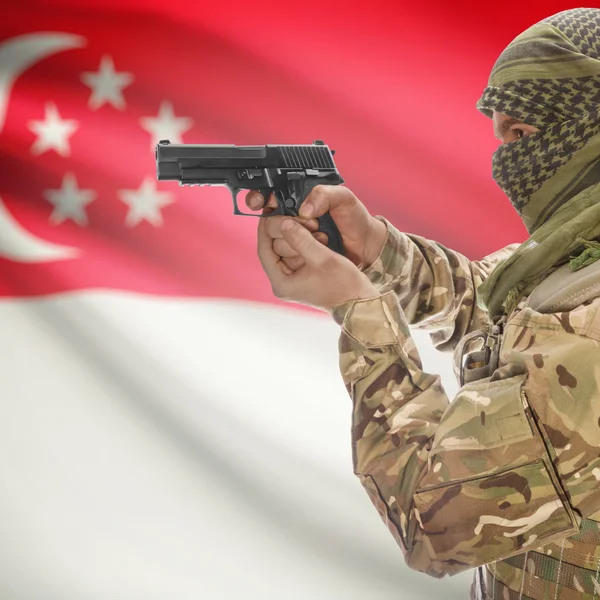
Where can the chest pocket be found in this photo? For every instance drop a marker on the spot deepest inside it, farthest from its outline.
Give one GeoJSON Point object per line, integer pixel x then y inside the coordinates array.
{"type": "Point", "coordinates": [486, 415]}
{"type": "Point", "coordinates": [489, 490]}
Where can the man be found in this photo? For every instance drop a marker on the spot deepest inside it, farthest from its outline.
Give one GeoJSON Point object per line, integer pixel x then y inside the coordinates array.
{"type": "Point", "coordinates": [507, 474]}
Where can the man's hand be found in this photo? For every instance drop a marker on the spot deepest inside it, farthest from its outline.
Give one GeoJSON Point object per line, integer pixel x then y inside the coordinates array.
{"type": "Point", "coordinates": [363, 235]}
{"type": "Point", "coordinates": [325, 278]}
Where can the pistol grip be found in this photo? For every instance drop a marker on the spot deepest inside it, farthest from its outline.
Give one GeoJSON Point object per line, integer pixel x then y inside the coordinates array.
{"type": "Point", "coordinates": [291, 205]}
{"type": "Point", "coordinates": [327, 225]}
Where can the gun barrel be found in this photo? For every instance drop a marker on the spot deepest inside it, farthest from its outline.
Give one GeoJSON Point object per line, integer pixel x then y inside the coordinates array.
{"type": "Point", "coordinates": [171, 159]}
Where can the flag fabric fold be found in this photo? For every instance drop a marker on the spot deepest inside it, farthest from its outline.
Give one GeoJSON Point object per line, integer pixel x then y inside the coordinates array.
{"type": "Point", "coordinates": [171, 430]}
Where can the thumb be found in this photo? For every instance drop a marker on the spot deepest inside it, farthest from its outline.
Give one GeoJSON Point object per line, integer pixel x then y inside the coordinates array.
{"type": "Point", "coordinates": [302, 241]}
{"type": "Point", "coordinates": [327, 198]}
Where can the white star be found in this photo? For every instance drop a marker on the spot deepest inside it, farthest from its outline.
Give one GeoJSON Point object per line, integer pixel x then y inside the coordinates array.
{"type": "Point", "coordinates": [69, 202]}
{"type": "Point", "coordinates": [166, 126]}
{"type": "Point", "coordinates": [107, 85]}
{"type": "Point", "coordinates": [145, 203]}
{"type": "Point", "coordinates": [53, 132]}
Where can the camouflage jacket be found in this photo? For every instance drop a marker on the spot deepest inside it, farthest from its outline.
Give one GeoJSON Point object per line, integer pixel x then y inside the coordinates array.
{"type": "Point", "coordinates": [512, 463]}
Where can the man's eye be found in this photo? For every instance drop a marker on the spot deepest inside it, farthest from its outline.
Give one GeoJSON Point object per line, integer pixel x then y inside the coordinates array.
{"type": "Point", "coordinates": [519, 133]}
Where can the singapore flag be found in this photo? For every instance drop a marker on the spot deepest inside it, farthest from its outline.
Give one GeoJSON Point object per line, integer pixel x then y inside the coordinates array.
{"type": "Point", "coordinates": [169, 429]}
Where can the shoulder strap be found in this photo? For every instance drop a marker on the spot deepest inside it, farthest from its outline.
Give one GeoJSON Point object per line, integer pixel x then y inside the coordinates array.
{"type": "Point", "coordinates": [561, 291]}
{"type": "Point", "coordinates": [565, 289]}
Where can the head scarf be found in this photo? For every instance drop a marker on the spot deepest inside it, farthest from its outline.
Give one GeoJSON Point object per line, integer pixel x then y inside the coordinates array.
{"type": "Point", "coordinates": [548, 77]}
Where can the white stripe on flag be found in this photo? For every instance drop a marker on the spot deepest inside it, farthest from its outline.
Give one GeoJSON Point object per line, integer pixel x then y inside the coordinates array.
{"type": "Point", "coordinates": [185, 449]}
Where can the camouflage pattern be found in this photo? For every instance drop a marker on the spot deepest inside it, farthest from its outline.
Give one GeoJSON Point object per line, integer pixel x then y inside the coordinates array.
{"type": "Point", "coordinates": [535, 574]}
{"type": "Point", "coordinates": [434, 285]}
{"type": "Point", "coordinates": [512, 464]}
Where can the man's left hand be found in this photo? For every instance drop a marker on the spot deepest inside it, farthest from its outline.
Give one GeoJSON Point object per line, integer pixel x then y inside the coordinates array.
{"type": "Point", "coordinates": [325, 280]}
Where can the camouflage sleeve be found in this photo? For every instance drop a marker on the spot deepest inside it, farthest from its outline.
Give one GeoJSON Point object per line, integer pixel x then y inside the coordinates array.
{"type": "Point", "coordinates": [436, 286]}
{"type": "Point", "coordinates": [464, 483]}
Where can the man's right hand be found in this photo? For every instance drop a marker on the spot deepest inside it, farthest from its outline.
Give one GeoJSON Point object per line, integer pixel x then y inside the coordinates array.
{"type": "Point", "coordinates": [363, 235]}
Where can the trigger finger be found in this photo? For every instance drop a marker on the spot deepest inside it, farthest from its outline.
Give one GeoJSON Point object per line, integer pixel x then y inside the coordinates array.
{"type": "Point", "coordinates": [272, 202]}
{"type": "Point", "coordinates": [254, 200]}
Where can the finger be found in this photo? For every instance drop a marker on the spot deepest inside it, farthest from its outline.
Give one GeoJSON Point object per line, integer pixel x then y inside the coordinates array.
{"type": "Point", "coordinates": [272, 264]}
{"type": "Point", "coordinates": [283, 249]}
{"type": "Point", "coordinates": [325, 198]}
{"type": "Point", "coordinates": [254, 200]}
{"type": "Point", "coordinates": [273, 226]}
{"type": "Point", "coordinates": [321, 237]}
{"type": "Point", "coordinates": [272, 202]}
{"type": "Point", "coordinates": [301, 240]}
{"type": "Point", "coordinates": [287, 269]}
{"type": "Point", "coordinates": [270, 206]}
{"type": "Point", "coordinates": [310, 224]}
{"type": "Point", "coordinates": [294, 263]}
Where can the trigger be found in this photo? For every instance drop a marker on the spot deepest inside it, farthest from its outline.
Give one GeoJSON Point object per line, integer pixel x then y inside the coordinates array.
{"type": "Point", "coordinates": [279, 208]}
{"type": "Point", "coordinates": [266, 193]}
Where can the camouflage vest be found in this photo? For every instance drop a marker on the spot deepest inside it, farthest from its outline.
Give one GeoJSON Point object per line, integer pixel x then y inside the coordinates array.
{"type": "Point", "coordinates": [568, 570]}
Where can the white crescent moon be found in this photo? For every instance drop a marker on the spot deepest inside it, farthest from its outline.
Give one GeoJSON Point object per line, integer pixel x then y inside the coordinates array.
{"type": "Point", "coordinates": [16, 55]}
{"type": "Point", "coordinates": [20, 245]}
{"type": "Point", "coordinates": [19, 53]}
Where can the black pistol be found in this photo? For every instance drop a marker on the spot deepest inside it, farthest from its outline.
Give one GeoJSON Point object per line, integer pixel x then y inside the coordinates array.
{"type": "Point", "coordinates": [289, 172]}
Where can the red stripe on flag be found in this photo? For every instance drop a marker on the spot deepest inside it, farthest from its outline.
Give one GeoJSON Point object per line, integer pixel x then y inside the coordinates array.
{"type": "Point", "coordinates": [392, 88]}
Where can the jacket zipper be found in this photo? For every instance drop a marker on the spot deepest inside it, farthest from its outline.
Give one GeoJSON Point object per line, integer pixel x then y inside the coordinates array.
{"type": "Point", "coordinates": [533, 423]}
